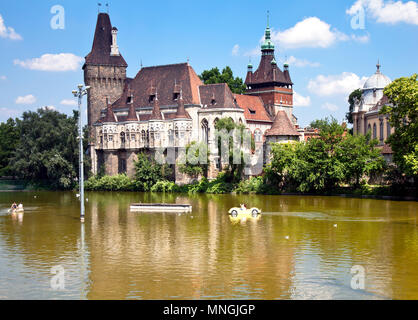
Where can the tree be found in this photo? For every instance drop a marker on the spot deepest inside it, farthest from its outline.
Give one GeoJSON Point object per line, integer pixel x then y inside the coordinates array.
{"type": "Point", "coordinates": [226, 128]}
{"type": "Point", "coordinates": [360, 157]}
{"type": "Point", "coordinates": [148, 172]}
{"type": "Point", "coordinates": [320, 165]}
{"type": "Point", "coordinates": [195, 169]}
{"type": "Point", "coordinates": [9, 138]}
{"type": "Point", "coordinates": [48, 148]}
{"type": "Point", "coordinates": [355, 95]}
{"type": "Point", "coordinates": [403, 116]}
{"type": "Point", "coordinates": [214, 76]}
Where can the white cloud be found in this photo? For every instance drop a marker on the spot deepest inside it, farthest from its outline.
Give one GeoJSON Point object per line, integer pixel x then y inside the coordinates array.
{"type": "Point", "coordinates": [49, 108]}
{"type": "Point", "coordinates": [300, 63]}
{"type": "Point", "coordinates": [68, 102]}
{"type": "Point", "coordinates": [329, 106]}
{"type": "Point", "coordinates": [8, 32]}
{"type": "Point", "coordinates": [309, 33]}
{"type": "Point", "coordinates": [235, 50]}
{"type": "Point", "coordinates": [301, 101]}
{"type": "Point", "coordinates": [28, 99]}
{"type": "Point", "coordinates": [253, 52]}
{"type": "Point", "coordinates": [342, 84]}
{"type": "Point", "coordinates": [389, 12]}
{"type": "Point", "coordinates": [3, 78]}
{"type": "Point", "coordinates": [52, 62]}
{"type": "Point", "coordinates": [7, 113]}
{"type": "Point", "coordinates": [361, 39]}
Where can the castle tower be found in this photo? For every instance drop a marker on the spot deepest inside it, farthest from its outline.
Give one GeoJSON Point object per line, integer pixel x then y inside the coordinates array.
{"type": "Point", "coordinates": [271, 84]}
{"type": "Point", "coordinates": [105, 72]}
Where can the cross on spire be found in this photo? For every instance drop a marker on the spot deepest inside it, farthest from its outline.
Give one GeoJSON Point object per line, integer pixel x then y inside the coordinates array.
{"type": "Point", "coordinates": [378, 66]}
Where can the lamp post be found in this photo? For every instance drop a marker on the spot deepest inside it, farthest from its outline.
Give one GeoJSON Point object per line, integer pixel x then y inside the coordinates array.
{"type": "Point", "coordinates": [79, 94]}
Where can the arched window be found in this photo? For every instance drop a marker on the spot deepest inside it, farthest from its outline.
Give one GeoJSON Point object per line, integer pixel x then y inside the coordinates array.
{"type": "Point", "coordinates": [257, 136]}
{"type": "Point", "coordinates": [374, 131]}
{"type": "Point", "coordinates": [381, 131]}
{"type": "Point", "coordinates": [388, 129]}
{"type": "Point", "coordinates": [205, 131]}
{"type": "Point", "coordinates": [143, 136]}
{"type": "Point", "coordinates": [170, 137]}
{"type": "Point", "coordinates": [122, 137]}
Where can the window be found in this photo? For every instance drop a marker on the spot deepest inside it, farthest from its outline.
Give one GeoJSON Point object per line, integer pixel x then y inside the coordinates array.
{"type": "Point", "coordinates": [252, 111]}
{"type": "Point", "coordinates": [205, 131]}
{"type": "Point", "coordinates": [257, 136]}
{"type": "Point", "coordinates": [101, 139]}
{"type": "Point", "coordinates": [157, 136]}
{"type": "Point", "coordinates": [170, 136]}
{"type": "Point", "coordinates": [110, 137]}
{"type": "Point", "coordinates": [388, 128]}
{"type": "Point", "coordinates": [176, 96]}
{"type": "Point", "coordinates": [133, 136]}
{"type": "Point", "coordinates": [151, 98]}
{"type": "Point", "coordinates": [381, 131]}
{"type": "Point", "coordinates": [374, 131]}
{"type": "Point", "coordinates": [143, 136]}
{"type": "Point", "coordinates": [129, 100]}
{"type": "Point", "coordinates": [213, 102]}
{"type": "Point", "coordinates": [122, 137]}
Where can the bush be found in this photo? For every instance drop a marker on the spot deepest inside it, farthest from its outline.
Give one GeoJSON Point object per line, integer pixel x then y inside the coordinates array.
{"type": "Point", "coordinates": [252, 185]}
{"type": "Point", "coordinates": [120, 182]}
{"type": "Point", "coordinates": [164, 186]}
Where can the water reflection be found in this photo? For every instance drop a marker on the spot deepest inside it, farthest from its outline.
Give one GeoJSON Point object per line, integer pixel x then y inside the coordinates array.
{"type": "Point", "coordinates": [300, 248]}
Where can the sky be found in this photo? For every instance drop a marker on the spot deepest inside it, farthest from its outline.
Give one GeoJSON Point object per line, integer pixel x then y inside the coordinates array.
{"type": "Point", "coordinates": [331, 46]}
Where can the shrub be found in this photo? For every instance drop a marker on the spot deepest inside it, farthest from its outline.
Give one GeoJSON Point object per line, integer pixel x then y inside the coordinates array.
{"type": "Point", "coordinates": [120, 182]}
{"type": "Point", "coordinates": [164, 186]}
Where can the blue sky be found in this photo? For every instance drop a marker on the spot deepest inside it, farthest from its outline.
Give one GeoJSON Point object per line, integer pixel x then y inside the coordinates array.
{"type": "Point", "coordinates": [39, 65]}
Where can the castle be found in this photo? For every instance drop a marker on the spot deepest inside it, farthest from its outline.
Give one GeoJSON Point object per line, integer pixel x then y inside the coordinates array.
{"type": "Point", "coordinates": [366, 113]}
{"type": "Point", "coordinates": [168, 106]}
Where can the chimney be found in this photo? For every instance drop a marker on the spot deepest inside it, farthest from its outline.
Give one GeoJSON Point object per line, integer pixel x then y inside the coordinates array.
{"type": "Point", "coordinates": [114, 49]}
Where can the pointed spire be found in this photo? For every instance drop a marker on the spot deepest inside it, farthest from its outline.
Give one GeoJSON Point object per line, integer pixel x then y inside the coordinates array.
{"type": "Point", "coordinates": [181, 111]}
{"type": "Point", "coordinates": [132, 113]}
{"type": "Point", "coordinates": [110, 115]}
{"type": "Point", "coordinates": [268, 44]}
{"type": "Point", "coordinates": [156, 113]}
{"type": "Point", "coordinates": [378, 66]}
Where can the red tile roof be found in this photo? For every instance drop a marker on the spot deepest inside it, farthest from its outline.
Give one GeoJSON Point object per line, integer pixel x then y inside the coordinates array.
{"type": "Point", "coordinates": [100, 52]}
{"type": "Point", "coordinates": [268, 73]}
{"type": "Point", "coordinates": [387, 149]}
{"type": "Point", "coordinates": [110, 116]}
{"type": "Point", "coordinates": [166, 80]}
{"type": "Point", "coordinates": [282, 126]}
{"type": "Point", "coordinates": [253, 108]}
{"type": "Point", "coordinates": [217, 96]}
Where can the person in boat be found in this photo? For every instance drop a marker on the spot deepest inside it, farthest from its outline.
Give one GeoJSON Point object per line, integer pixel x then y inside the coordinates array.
{"type": "Point", "coordinates": [243, 206]}
{"type": "Point", "coordinates": [20, 206]}
{"type": "Point", "coordinates": [14, 206]}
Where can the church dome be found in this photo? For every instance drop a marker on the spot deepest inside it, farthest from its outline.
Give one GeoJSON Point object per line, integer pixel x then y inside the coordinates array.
{"type": "Point", "coordinates": [377, 81]}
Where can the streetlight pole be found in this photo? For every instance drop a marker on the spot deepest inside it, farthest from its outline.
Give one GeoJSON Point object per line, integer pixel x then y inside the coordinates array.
{"type": "Point", "coordinates": [79, 94]}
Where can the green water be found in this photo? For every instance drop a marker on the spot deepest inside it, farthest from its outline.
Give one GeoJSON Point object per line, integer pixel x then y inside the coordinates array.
{"type": "Point", "coordinates": [300, 248]}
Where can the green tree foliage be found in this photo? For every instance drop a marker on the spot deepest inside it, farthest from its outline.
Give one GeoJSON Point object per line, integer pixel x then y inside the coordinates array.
{"type": "Point", "coordinates": [148, 172]}
{"type": "Point", "coordinates": [226, 128]}
{"type": "Point", "coordinates": [199, 167]}
{"type": "Point", "coordinates": [403, 116]}
{"type": "Point", "coordinates": [320, 165]}
{"type": "Point", "coordinates": [355, 95]}
{"type": "Point", "coordinates": [215, 76]}
{"type": "Point", "coordinates": [359, 157]}
{"type": "Point", "coordinates": [9, 138]}
{"type": "Point", "coordinates": [48, 148]}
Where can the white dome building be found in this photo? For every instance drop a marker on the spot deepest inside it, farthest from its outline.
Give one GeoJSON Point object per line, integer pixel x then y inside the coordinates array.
{"type": "Point", "coordinates": [366, 116]}
{"type": "Point", "coordinates": [373, 90]}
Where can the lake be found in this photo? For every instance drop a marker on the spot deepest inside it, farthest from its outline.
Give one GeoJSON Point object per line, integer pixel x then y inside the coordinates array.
{"type": "Point", "coordinates": [301, 247]}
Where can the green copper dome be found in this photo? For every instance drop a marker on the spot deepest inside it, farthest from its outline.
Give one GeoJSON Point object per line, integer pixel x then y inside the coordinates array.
{"type": "Point", "coordinates": [268, 44]}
